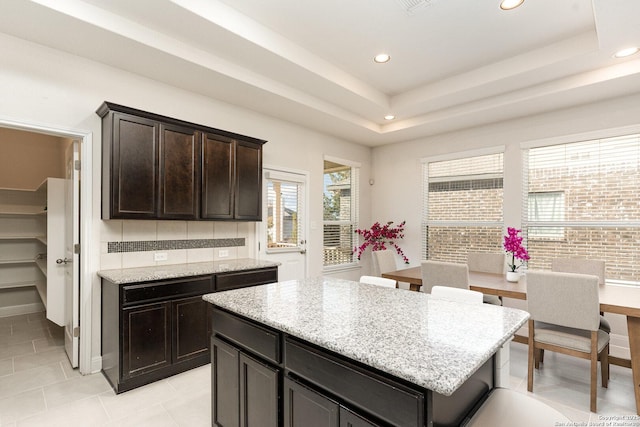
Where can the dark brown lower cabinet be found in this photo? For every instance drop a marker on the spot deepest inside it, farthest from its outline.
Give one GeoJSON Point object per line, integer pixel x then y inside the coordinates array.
{"type": "Point", "coordinates": [153, 330]}
{"type": "Point", "coordinates": [146, 340]}
{"type": "Point", "coordinates": [304, 407]}
{"type": "Point", "coordinates": [351, 419]}
{"type": "Point", "coordinates": [246, 390]}
{"type": "Point", "coordinates": [190, 333]}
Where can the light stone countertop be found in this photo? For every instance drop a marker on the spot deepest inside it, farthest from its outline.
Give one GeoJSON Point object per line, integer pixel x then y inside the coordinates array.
{"type": "Point", "coordinates": [433, 343]}
{"type": "Point", "coordinates": [171, 271]}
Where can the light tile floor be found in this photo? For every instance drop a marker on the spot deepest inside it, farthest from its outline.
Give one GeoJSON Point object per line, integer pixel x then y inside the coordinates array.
{"type": "Point", "coordinates": [39, 388]}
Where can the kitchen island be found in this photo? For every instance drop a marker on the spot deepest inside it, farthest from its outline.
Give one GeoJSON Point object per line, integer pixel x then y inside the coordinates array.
{"type": "Point", "coordinates": [329, 352]}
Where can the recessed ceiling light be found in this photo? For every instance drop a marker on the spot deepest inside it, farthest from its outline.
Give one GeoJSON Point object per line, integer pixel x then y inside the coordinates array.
{"type": "Point", "coordinates": [389, 117]}
{"type": "Point", "coordinates": [381, 58]}
{"type": "Point", "coordinates": [626, 52]}
{"type": "Point", "coordinates": [510, 4]}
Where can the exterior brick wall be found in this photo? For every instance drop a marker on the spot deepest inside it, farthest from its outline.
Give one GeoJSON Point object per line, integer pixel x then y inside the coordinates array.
{"type": "Point", "coordinates": [590, 194]}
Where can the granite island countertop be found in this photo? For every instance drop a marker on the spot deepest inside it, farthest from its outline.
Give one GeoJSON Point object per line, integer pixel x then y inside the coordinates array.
{"type": "Point", "coordinates": [433, 343]}
{"type": "Point", "coordinates": [121, 276]}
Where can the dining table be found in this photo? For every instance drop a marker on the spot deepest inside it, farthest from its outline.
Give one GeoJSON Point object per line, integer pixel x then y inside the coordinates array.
{"type": "Point", "coordinates": [617, 299]}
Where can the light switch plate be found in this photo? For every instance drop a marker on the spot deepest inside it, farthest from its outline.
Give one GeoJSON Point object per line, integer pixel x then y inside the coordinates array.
{"type": "Point", "coordinates": [223, 253]}
{"type": "Point", "coordinates": [160, 256]}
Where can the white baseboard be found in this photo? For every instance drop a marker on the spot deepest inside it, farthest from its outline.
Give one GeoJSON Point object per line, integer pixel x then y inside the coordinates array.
{"type": "Point", "coordinates": [15, 310]}
{"type": "Point", "coordinates": [96, 364]}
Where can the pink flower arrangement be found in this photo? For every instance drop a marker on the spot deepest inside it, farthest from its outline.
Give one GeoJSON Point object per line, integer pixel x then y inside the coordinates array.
{"type": "Point", "coordinates": [379, 236]}
{"type": "Point", "coordinates": [513, 245]}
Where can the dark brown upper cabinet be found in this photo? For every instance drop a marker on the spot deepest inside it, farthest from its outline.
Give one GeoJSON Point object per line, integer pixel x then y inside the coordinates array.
{"type": "Point", "coordinates": [248, 203]}
{"type": "Point", "coordinates": [179, 172]}
{"type": "Point", "coordinates": [130, 168]}
{"type": "Point", "coordinates": [156, 167]}
{"type": "Point", "coordinates": [231, 179]}
{"type": "Point", "coordinates": [218, 174]}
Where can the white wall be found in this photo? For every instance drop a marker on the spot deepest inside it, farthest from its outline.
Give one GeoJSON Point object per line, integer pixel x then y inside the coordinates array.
{"type": "Point", "coordinates": [399, 167]}
{"type": "Point", "coordinates": [39, 85]}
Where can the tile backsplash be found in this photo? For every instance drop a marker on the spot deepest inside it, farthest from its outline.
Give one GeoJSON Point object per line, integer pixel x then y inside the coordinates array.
{"type": "Point", "coordinates": [133, 243]}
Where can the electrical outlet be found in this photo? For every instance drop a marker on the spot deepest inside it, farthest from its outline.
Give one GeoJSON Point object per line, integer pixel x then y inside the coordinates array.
{"type": "Point", "coordinates": [160, 256]}
{"type": "Point", "coordinates": [223, 253]}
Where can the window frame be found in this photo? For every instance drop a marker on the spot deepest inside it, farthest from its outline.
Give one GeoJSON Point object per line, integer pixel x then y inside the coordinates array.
{"type": "Point", "coordinates": [354, 213]}
{"type": "Point", "coordinates": [593, 226]}
{"type": "Point", "coordinates": [425, 222]}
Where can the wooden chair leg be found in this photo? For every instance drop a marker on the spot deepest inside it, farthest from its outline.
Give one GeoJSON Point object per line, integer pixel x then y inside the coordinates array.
{"type": "Point", "coordinates": [530, 358]}
{"type": "Point", "coordinates": [594, 370]}
{"type": "Point", "coordinates": [541, 355]}
{"type": "Point", "coordinates": [604, 366]}
{"type": "Point", "coordinates": [536, 357]}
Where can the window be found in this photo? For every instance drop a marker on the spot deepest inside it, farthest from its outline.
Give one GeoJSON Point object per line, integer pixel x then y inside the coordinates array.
{"type": "Point", "coordinates": [284, 214]}
{"type": "Point", "coordinates": [340, 217]}
{"type": "Point", "coordinates": [462, 207]}
{"type": "Point", "coordinates": [581, 201]}
{"type": "Point", "coordinates": [546, 207]}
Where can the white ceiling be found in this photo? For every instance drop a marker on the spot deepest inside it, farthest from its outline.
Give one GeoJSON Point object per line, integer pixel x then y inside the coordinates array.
{"type": "Point", "coordinates": [454, 63]}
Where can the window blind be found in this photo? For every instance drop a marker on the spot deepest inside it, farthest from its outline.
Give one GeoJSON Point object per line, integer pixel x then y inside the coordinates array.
{"type": "Point", "coordinates": [285, 214]}
{"type": "Point", "coordinates": [462, 206]}
{"type": "Point", "coordinates": [340, 213]}
{"type": "Point", "coordinates": [580, 200]}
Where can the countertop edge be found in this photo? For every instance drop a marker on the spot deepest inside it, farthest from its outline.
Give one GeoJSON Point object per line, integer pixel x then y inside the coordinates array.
{"type": "Point", "coordinates": [123, 276]}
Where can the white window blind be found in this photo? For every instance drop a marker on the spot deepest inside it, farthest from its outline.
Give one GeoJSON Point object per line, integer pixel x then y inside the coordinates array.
{"type": "Point", "coordinates": [462, 207]}
{"type": "Point", "coordinates": [340, 213]}
{"type": "Point", "coordinates": [285, 215]}
{"type": "Point", "coordinates": [581, 200]}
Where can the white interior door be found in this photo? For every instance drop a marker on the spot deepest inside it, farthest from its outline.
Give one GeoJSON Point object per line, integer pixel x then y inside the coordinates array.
{"type": "Point", "coordinates": [72, 257]}
{"type": "Point", "coordinates": [282, 235]}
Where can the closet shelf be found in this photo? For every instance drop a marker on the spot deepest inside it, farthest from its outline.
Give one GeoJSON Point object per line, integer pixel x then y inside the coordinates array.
{"type": "Point", "coordinates": [22, 237]}
{"type": "Point", "coordinates": [12, 285]}
{"type": "Point", "coordinates": [42, 291]}
{"type": "Point", "coordinates": [42, 264]}
{"type": "Point", "coordinates": [16, 261]}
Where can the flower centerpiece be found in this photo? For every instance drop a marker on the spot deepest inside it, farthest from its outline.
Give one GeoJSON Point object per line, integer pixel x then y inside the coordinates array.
{"type": "Point", "coordinates": [379, 237]}
{"type": "Point", "coordinates": [513, 245]}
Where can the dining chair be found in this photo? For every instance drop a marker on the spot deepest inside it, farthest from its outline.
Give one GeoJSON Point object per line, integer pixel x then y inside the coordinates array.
{"type": "Point", "coordinates": [378, 281]}
{"type": "Point", "coordinates": [439, 273]}
{"type": "Point", "coordinates": [456, 294]}
{"type": "Point", "coordinates": [486, 262]}
{"type": "Point", "coordinates": [384, 261]}
{"type": "Point", "coordinates": [565, 318]}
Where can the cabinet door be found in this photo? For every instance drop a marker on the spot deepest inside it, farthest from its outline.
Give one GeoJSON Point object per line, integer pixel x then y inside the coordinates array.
{"type": "Point", "coordinates": [134, 160]}
{"type": "Point", "coordinates": [258, 393]}
{"type": "Point", "coordinates": [179, 172]}
{"type": "Point", "coordinates": [248, 204]}
{"type": "Point", "coordinates": [225, 384]}
{"type": "Point", "coordinates": [218, 166]}
{"type": "Point", "coordinates": [190, 328]}
{"type": "Point", "coordinates": [146, 339]}
{"type": "Point", "coordinates": [304, 407]}
{"type": "Point", "coordinates": [351, 419]}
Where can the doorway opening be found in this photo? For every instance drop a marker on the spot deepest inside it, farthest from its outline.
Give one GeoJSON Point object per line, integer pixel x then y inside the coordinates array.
{"type": "Point", "coordinates": [41, 258]}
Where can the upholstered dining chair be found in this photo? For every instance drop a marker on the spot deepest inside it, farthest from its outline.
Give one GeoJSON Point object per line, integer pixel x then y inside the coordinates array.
{"type": "Point", "coordinates": [565, 318]}
{"type": "Point", "coordinates": [385, 261]}
{"type": "Point", "coordinates": [583, 266]}
{"type": "Point", "coordinates": [456, 294]}
{"type": "Point", "coordinates": [378, 281]}
{"type": "Point", "coordinates": [485, 262]}
{"type": "Point", "coordinates": [438, 273]}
